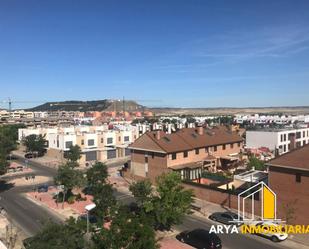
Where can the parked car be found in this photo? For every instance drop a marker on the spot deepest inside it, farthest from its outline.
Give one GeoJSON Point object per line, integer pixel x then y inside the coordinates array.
{"type": "Point", "coordinates": [29, 155]}
{"type": "Point", "coordinates": [225, 217]}
{"type": "Point", "coordinates": [275, 237]}
{"type": "Point", "coordinates": [43, 188]}
{"type": "Point", "coordinates": [92, 219]}
{"type": "Point", "coordinates": [200, 239]}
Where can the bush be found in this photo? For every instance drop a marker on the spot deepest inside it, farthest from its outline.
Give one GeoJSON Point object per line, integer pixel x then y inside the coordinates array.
{"type": "Point", "coordinates": [71, 199]}
{"type": "Point", "coordinates": [220, 177]}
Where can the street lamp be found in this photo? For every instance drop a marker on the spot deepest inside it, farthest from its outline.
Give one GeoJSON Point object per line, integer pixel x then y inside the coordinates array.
{"type": "Point", "coordinates": [88, 209]}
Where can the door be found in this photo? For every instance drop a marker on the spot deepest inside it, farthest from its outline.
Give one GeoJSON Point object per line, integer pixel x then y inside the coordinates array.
{"type": "Point", "coordinates": [91, 156]}
{"type": "Point", "coordinates": [111, 154]}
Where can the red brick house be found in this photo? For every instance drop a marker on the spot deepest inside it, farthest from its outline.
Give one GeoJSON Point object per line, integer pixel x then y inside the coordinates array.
{"type": "Point", "coordinates": [289, 179]}
{"type": "Point", "coordinates": [189, 151]}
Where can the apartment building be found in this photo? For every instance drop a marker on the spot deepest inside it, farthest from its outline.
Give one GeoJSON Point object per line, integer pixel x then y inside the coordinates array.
{"type": "Point", "coordinates": [189, 151]}
{"type": "Point", "coordinates": [98, 143]}
{"type": "Point", "coordinates": [289, 179]}
{"type": "Point", "coordinates": [278, 140]}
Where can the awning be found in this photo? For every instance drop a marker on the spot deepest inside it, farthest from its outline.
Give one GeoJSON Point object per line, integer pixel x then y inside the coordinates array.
{"type": "Point", "coordinates": [229, 158]}
{"type": "Point", "coordinates": [187, 166]}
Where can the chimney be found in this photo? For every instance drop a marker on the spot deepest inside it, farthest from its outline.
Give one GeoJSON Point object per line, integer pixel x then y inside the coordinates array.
{"type": "Point", "coordinates": [158, 134]}
{"type": "Point", "coordinates": [200, 130]}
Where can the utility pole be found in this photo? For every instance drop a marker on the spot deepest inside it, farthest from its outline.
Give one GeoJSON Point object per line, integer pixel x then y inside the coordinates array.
{"type": "Point", "coordinates": [123, 106]}
{"type": "Point", "coordinates": [10, 105]}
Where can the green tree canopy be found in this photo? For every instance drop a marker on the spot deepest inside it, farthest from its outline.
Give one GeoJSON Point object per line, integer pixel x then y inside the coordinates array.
{"type": "Point", "coordinates": [8, 137]}
{"type": "Point", "coordinates": [256, 164]}
{"type": "Point", "coordinates": [59, 236]}
{"type": "Point", "coordinates": [142, 191]}
{"type": "Point", "coordinates": [168, 203]}
{"type": "Point", "coordinates": [127, 230]}
{"type": "Point", "coordinates": [74, 154]}
{"type": "Point", "coordinates": [35, 143]}
{"type": "Point", "coordinates": [100, 189]}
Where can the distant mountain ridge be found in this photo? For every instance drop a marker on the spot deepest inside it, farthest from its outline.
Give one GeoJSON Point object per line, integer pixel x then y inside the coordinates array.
{"type": "Point", "coordinates": [93, 105]}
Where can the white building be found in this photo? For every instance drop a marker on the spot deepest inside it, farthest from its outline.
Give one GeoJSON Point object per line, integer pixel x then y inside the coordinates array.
{"type": "Point", "coordinates": [98, 143]}
{"type": "Point", "coordinates": [278, 140]}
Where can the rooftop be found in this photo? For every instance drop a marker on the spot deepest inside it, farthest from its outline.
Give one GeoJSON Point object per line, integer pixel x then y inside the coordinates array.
{"type": "Point", "coordinates": [298, 159]}
{"type": "Point", "coordinates": [185, 139]}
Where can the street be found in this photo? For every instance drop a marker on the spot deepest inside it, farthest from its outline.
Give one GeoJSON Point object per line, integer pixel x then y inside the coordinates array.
{"type": "Point", "coordinates": [30, 216]}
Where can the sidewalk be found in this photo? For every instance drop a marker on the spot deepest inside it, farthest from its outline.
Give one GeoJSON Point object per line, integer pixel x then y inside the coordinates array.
{"type": "Point", "coordinates": [207, 208]}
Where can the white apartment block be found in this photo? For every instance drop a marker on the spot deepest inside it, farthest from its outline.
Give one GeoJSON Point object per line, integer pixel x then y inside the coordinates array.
{"type": "Point", "coordinates": [277, 140]}
{"type": "Point", "coordinates": [98, 143]}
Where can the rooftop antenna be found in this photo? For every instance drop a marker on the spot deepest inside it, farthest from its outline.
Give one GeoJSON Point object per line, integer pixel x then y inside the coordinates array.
{"type": "Point", "coordinates": [123, 106]}
{"type": "Point", "coordinates": [10, 105]}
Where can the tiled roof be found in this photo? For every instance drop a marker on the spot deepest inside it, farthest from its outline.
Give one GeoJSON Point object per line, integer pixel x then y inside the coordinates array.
{"type": "Point", "coordinates": [185, 139]}
{"type": "Point", "coordinates": [298, 158]}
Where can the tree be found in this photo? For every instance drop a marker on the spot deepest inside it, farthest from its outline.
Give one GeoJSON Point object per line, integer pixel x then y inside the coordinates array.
{"type": "Point", "coordinates": [142, 191]}
{"type": "Point", "coordinates": [3, 164]}
{"type": "Point", "coordinates": [127, 230]}
{"type": "Point", "coordinates": [35, 143]}
{"type": "Point", "coordinates": [69, 178]}
{"type": "Point", "coordinates": [101, 191]}
{"type": "Point", "coordinates": [168, 203]}
{"type": "Point", "coordinates": [256, 164]}
{"type": "Point", "coordinates": [74, 154]}
{"type": "Point", "coordinates": [8, 137]}
{"type": "Point", "coordinates": [97, 174]}
{"type": "Point", "coordinates": [59, 236]}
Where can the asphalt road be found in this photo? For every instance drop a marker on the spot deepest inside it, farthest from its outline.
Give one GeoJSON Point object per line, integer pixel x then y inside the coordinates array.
{"type": "Point", "coordinates": [27, 215]}
{"type": "Point", "coordinates": [30, 216]}
{"type": "Point", "coordinates": [229, 241]}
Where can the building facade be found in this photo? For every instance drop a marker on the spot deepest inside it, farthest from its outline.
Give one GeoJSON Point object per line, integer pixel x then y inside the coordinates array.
{"type": "Point", "coordinates": [289, 179]}
{"type": "Point", "coordinates": [189, 151]}
{"type": "Point", "coordinates": [278, 140]}
{"type": "Point", "coordinates": [98, 143]}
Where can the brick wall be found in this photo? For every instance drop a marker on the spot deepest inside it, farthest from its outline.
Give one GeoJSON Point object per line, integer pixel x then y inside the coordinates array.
{"type": "Point", "coordinates": [193, 157]}
{"type": "Point", "coordinates": [292, 193]}
{"type": "Point", "coordinates": [157, 164]}
{"type": "Point", "coordinates": [223, 198]}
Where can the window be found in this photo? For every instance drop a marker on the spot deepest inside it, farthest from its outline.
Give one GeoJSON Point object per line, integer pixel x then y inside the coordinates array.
{"type": "Point", "coordinates": [119, 138]}
{"type": "Point", "coordinates": [284, 137]}
{"type": "Point", "coordinates": [298, 177]}
{"type": "Point", "coordinates": [185, 154]}
{"type": "Point", "coordinates": [238, 144]}
{"type": "Point", "coordinates": [174, 156]}
{"type": "Point", "coordinates": [223, 146]}
{"type": "Point", "coordinates": [232, 146]}
{"type": "Point", "coordinates": [102, 140]}
{"type": "Point", "coordinates": [206, 149]}
{"type": "Point", "coordinates": [126, 138]}
{"type": "Point", "coordinates": [68, 144]}
{"type": "Point", "coordinates": [215, 148]}
{"type": "Point", "coordinates": [281, 138]}
{"type": "Point", "coordinates": [298, 134]}
{"type": "Point", "coordinates": [82, 142]}
{"type": "Point", "coordinates": [90, 142]}
{"type": "Point", "coordinates": [197, 151]}
{"type": "Point", "coordinates": [109, 140]}
{"type": "Point", "coordinates": [146, 159]}
{"type": "Point", "coordinates": [152, 155]}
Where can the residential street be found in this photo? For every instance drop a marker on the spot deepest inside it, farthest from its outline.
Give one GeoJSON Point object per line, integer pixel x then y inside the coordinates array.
{"type": "Point", "coordinates": [30, 216]}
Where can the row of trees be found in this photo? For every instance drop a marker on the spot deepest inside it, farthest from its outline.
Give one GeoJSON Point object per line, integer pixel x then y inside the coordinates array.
{"type": "Point", "coordinates": [131, 227]}
{"type": "Point", "coordinates": [8, 138]}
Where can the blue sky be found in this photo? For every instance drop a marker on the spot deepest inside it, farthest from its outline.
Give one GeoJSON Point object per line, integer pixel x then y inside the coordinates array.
{"type": "Point", "coordinates": [194, 53]}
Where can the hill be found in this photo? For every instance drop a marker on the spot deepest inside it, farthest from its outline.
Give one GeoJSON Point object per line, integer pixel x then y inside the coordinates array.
{"type": "Point", "coordinates": [84, 106]}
